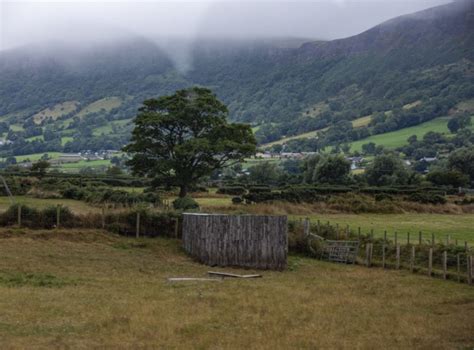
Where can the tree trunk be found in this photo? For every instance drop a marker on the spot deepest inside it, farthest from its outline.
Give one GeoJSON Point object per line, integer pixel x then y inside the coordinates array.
{"type": "Point", "coordinates": [183, 191]}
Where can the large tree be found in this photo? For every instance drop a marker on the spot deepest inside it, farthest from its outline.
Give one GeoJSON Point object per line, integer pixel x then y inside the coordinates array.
{"type": "Point", "coordinates": [181, 138]}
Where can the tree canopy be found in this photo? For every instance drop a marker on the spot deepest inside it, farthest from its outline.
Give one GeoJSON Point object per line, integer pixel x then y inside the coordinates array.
{"type": "Point", "coordinates": [183, 137]}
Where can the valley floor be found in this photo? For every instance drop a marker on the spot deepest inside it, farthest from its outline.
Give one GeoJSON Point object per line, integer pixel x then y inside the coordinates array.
{"type": "Point", "coordinates": [84, 289]}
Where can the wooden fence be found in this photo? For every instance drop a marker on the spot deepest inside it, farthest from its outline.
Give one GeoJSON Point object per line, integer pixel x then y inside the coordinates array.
{"type": "Point", "coordinates": [251, 241]}
{"type": "Point", "coordinates": [444, 258]}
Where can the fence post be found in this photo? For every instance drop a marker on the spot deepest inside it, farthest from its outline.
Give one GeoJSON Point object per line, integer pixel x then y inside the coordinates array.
{"type": "Point", "coordinates": [458, 265]}
{"type": "Point", "coordinates": [176, 228]}
{"type": "Point", "coordinates": [412, 259]}
{"type": "Point", "coordinates": [445, 264]}
{"type": "Point", "coordinates": [137, 233]}
{"type": "Point", "coordinates": [385, 236]}
{"type": "Point", "coordinates": [367, 248]}
{"type": "Point", "coordinates": [432, 239]}
{"type": "Point", "coordinates": [398, 257]}
{"type": "Point", "coordinates": [469, 269]}
{"type": "Point", "coordinates": [420, 238]}
{"type": "Point", "coordinates": [430, 262]}
{"type": "Point", "coordinates": [103, 216]}
{"type": "Point", "coordinates": [19, 214]}
{"type": "Point", "coordinates": [383, 255]}
{"type": "Point", "coordinates": [58, 215]}
{"type": "Point", "coordinates": [306, 225]}
{"type": "Point", "coordinates": [368, 251]}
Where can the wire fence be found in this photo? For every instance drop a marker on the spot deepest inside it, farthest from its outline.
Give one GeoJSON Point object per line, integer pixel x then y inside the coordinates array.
{"type": "Point", "coordinates": [420, 253]}
{"type": "Point", "coordinates": [137, 222]}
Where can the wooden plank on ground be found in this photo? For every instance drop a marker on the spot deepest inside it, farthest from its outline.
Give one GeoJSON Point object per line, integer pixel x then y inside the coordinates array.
{"type": "Point", "coordinates": [183, 279]}
{"type": "Point", "coordinates": [233, 275]}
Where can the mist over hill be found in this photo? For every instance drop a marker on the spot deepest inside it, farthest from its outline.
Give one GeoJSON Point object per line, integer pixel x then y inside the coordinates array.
{"type": "Point", "coordinates": [285, 86]}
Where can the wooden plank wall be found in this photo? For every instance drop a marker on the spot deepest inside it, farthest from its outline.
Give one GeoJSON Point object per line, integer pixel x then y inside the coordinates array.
{"type": "Point", "coordinates": [252, 241]}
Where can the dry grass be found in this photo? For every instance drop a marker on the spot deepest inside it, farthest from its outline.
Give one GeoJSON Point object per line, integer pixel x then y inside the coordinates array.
{"type": "Point", "coordinates": [111, 292]}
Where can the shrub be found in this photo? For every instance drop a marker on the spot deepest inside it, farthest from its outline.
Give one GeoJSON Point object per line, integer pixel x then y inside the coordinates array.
{"type": "Point", "coordinates": [237, 200]}
{"type": "Point", "coordinates": [48, 217]}
{"type": "Point", "coordinates": [260, 189]}
{"type": "Point", "coordinates": [383, 197]}
{"type": "Point", "coordinates": [29, 216]}
{"type": "Point", "coordinates": [233, 191]}
{"type": "Point", "coordinates": [185, 203]}
{"type": "Point", "coordinates": [427, 198]}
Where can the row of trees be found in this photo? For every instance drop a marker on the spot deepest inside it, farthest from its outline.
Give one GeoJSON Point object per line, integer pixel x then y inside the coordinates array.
{"type": "Point", "coordinates": [386, 169]}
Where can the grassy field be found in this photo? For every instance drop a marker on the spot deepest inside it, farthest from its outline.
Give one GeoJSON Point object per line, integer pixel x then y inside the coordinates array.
{"type": "Point", "coordinates": [357, 123]}
{"type": "Point", "coordinates": [66, 139]}
{"type": "Point", "coordinates": [34, 138]}
{"type": "Point", "coordinates": [85, 163]}
{"type": "Point", "coordinates": [457, 226]}
{"type": "Point", "coordinates": [36, 156]}
{"type": "Point", "coordinates": [107, 103]}
{"type": "Point", "coordinates": [88, 289]}
{"type": "Point", "coordinates": [17, 127]}
{"type": "Point", "coordinates": [107, 129]}
{"type": "Point", "coordinates": [399, 138]}
{"type": "Point", "coordinates": [56, 111]}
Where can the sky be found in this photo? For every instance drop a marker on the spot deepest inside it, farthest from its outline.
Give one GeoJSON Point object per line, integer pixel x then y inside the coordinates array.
{"type": "Point", "coordinates": [87, 22]}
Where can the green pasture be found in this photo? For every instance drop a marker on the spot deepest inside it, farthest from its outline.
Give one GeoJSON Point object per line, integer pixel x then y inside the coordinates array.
{"type": "Point", "coordinates": [399, 138]}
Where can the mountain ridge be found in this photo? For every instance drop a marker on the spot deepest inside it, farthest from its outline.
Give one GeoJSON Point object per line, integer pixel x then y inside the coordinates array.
{"type": "Point", "coordinates": [426, 56]}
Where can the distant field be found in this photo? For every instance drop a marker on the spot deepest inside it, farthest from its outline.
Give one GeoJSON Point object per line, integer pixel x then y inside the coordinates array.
{"type": "Point", "coordinates": [17, 127]}
{"type": "Point", "coordinates": [107, 103]}
{"type": "Point", "coordinates": [85, 163]}
{"type": "Point", "coordinates": [399, 138]}
{"type": "Point", "coordinates": [34, 138]}
{"type": "Point", "coordinates": [360, 122]}
{"type": "Point", "coordinates": [356, 123]}
{"type": "Point", "coordinates": [466, 106]}
{"type": "Point", "coordinates": [252, 161]}
{"type": "Point", "coordinates": [457, 226]}
{"type": "Point", "coordinates": [56, 111]}
{"type": "Point", "coordinates": [306, 135]}
{"type": "Point", "coordinates": [108, 129]}
{"type": "Point", "coordinates": [412, 105]}
{"type": "Point", "coordinates": [36, 156]}
{"type": "Point", "coordinates": [66, 139]}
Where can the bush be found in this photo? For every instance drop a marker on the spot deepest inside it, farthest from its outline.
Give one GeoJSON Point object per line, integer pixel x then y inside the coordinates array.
{"type": "Point", "coordinates": [48, 217]}
{"type": "Point", "coordinates": [185, 203]}
{"type": "Point", "coordinates": [383, 197]}
{"type": "Point", "coordinates": [233, 191]}
{"type": "Point", "coordinates": [124, 222]}
{"type": "Point", "coordinates": [427, 198]}
{"type": "Point", "coordinates": [237, 200]}
{"type": "Point", "coordinates": [260, 189]}
{"type": "Point", "coordinates": [99, 195]}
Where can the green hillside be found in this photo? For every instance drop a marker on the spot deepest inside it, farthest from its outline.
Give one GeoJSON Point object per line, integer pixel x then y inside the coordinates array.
{"type": "Point", "coordinates": [399, 138]}
{"type": "Point", "coordinates": [333, 86]}
{"type": "Point", "coordinates": [105, 104]}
